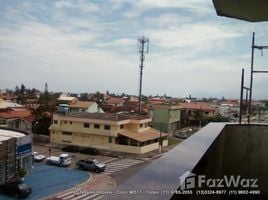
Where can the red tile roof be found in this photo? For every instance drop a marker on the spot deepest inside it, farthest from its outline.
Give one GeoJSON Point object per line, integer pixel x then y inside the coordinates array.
{"type": "Point", "coordinates": [18, 113]}
{"type": "Point", "coordinates": [115, 100]}
{"type": "Point", "coordinates": [196, 106]}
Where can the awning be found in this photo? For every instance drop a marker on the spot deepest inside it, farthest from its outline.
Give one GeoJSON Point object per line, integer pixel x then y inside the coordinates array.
{"type": "Point", "coordinates": [143, 136]}
{"type": "Point", "coordinates": [249, 10]}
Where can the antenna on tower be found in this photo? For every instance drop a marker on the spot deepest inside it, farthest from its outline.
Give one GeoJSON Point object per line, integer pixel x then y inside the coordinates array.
{"type": "Point", "coordinates": [143, 47]}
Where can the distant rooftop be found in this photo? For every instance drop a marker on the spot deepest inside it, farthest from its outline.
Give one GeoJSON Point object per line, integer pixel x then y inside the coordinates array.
{"type": "Point", "coordinates": [5, 104]}
{"type": "Point", "coordinates": [81, 104]}
{"type": "Point", "coordinates": [196, 106]}
{"type": "Point", "coordinates": [6, 133]}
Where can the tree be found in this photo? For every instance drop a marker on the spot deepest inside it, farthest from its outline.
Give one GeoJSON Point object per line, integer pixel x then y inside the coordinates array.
{"type": "Point", "coordinates": [198, 115]}
{"type": "Point", "coordinates": [83, 97]}
{"type": "Point", "coordinates": [217, 118]}
{"type": "Point", "coordinates": [22, 89]}
{"type": "Point", "coordinates": [17, 90]}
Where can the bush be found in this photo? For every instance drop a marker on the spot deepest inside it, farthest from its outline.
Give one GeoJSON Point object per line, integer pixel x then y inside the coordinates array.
{"type": "Point", "coordinates": [22, 172]}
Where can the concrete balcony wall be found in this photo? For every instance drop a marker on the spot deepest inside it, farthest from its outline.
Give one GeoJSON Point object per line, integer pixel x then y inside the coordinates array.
{"type": "Point", "coordinates": [218, 149]}
{"type": "Point", "coordinates": [240, 150]}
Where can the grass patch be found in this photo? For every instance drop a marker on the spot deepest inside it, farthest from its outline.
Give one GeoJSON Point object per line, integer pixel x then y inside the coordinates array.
{"type": "Point", "coordinates": [173, 140]}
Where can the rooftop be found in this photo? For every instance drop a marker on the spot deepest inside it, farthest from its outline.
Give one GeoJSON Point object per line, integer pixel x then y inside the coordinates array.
{"type": "Point", "coordinates": [82, 104]}
{"type": "Point", "coordinates": [143, 136]}
{"type": "Point", "coordinates": [16, 113]}
{"type": "Point", "coordinates": [10, 133]}
{"type": "Point", "coordinates": [196, 106]}
{"type": "Point", "coordinates": [115, 100]}
{"type": "Point", "coordinates": [106, 116]}
{"type": "Point", "coordinates": [166, 106]}
{"type": "Point", "coordinates": [4, 104]}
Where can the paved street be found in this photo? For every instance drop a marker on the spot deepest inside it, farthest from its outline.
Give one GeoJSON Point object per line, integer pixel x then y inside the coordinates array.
{"type": "Point", "coordinates": [120, 165]}
{"type": "Point", "coordinates": [100, 184]}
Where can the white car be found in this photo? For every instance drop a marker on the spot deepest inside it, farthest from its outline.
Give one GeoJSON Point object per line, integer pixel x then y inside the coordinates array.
{"type": "Point", "coordinates": [38, 157]}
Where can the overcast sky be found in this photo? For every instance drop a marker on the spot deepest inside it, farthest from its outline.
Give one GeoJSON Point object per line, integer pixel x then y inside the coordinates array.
{"type": "Point", "coordinates": [88, 46]}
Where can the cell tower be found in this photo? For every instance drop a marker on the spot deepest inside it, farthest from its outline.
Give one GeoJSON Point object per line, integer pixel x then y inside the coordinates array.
{"type": "Point", "coordinates": [46, 88]}
{"type": "Point", "coordinates": [143, 47]}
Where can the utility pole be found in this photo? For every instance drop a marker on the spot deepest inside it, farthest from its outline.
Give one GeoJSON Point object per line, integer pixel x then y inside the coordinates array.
{"type": "Point", "coordinates": [143, 47]}
{"type": "Point", "coordinates": [252, 71]}
{"type": "Point", "coordinates": [251, 75]}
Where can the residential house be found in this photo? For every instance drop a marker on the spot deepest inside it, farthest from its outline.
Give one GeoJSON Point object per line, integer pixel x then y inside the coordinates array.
{"type": "Point", "coordinates": [14, 115]}
{"type": "Point", "coordinates": [31, 103]}
{"type": "Point", "coordinates": [107, 131]}
{"type": "Point", "coordinates": [85, 106]}
{"type": "Point", "coordinates": [17, 118]}
{"type": "Point", "coordinates": [8, 97]}
{"type": "Point", "coordinates": [165, 118]}
{"type": "Point", "coordinates": [229, 108]}
{"type": "Point", "coordinates": [194, 112]}
{"type": "Point", "coordinates": [115, 101]}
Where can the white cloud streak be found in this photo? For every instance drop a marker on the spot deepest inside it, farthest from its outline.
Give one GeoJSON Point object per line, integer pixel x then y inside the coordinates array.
{"type": "Point", "coordinates": [83, 47]}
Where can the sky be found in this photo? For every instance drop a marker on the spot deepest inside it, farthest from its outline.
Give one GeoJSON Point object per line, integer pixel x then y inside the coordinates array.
{"type": "Point", "coordinates": [91, 45]}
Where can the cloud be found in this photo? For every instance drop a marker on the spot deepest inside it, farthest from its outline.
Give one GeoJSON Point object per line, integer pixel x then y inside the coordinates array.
{"type": "Point", "coordinates": [84, 46]}
{"type": "Point", "coordinates": [142, 6]}
{"type": "Point", "coordinates": [80, 5]}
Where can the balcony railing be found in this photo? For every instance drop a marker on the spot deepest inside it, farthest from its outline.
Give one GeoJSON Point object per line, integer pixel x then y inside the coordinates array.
{"type": "Point", "coordinates": [218, 150]}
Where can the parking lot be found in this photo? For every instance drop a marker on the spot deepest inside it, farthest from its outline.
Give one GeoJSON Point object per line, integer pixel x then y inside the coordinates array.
{"type": "Point", "coordinates": [48, 179]}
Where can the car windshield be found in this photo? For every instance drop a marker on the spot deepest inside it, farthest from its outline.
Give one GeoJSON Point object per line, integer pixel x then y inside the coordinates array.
{"type": "Point", "coordinates": [96, 162]}
{"type": "Point", "coordinates": [23, 186]}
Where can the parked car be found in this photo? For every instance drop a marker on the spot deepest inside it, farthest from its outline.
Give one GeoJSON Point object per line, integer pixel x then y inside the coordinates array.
{"type": "Point", "coordinates": [38, 157]}
{"type": "Point", "coordinates": [182, 135]}
{"type": "Point", "coordinates": [16, 189]}
{"type": "Point", "coordinates": [62, 160]}
{"type": "Point", "coordinates": [93, 165]}
{"type": "Point", "coordinates": [90, 151]}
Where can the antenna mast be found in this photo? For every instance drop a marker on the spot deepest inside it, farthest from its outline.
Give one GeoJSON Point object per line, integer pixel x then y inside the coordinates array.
{"type": "Point", "coordinates": [143, 47]}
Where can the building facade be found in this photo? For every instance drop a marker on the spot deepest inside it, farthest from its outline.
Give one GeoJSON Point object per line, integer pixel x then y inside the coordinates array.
{"type": "Point", "coordinates": [193, 113]}
{"type": "Point", "coordinates": [15, 153]}
{"type": "Point", "coordinates": [107, 131]}
{"type": "Point", "coordinates": [166, 118]}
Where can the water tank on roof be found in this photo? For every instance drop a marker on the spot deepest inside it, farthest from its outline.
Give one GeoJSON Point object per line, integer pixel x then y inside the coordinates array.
{"type": "Point", "coordinates": [63, 108]}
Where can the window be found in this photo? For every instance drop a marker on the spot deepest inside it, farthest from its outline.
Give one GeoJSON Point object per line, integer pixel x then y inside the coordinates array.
{"type": "Point", "coordinates": [86, 125]}
{"type": "Point", "coordinates": [55, 121]}
{"type": "Point", "coordinates": [107, 127]}
{"type": "Point", "coordinates": [66, 133]}
{"type": "Point", "coordinates": [141, 125]}
{"type": "Point", "coordinates": [96, 126]}
{"type": "Point", "coordinates": [71, 122]}
{"type": "Point", "coordinates": [66, 141]}
{"type": "Point", "coordinates": [65, 122]}
{"type": "Point", "coordinates": [121, 126]}
{"type": "Point", "coordinates": [110, 140]}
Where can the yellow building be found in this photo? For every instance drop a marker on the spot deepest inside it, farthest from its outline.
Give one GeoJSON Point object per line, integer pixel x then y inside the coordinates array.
{"type": "Point", "coordinates": [107, 131]}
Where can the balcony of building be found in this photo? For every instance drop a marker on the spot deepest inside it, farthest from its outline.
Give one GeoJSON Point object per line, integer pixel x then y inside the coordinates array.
{"type": "Point", "coordinates": [218, 151]}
